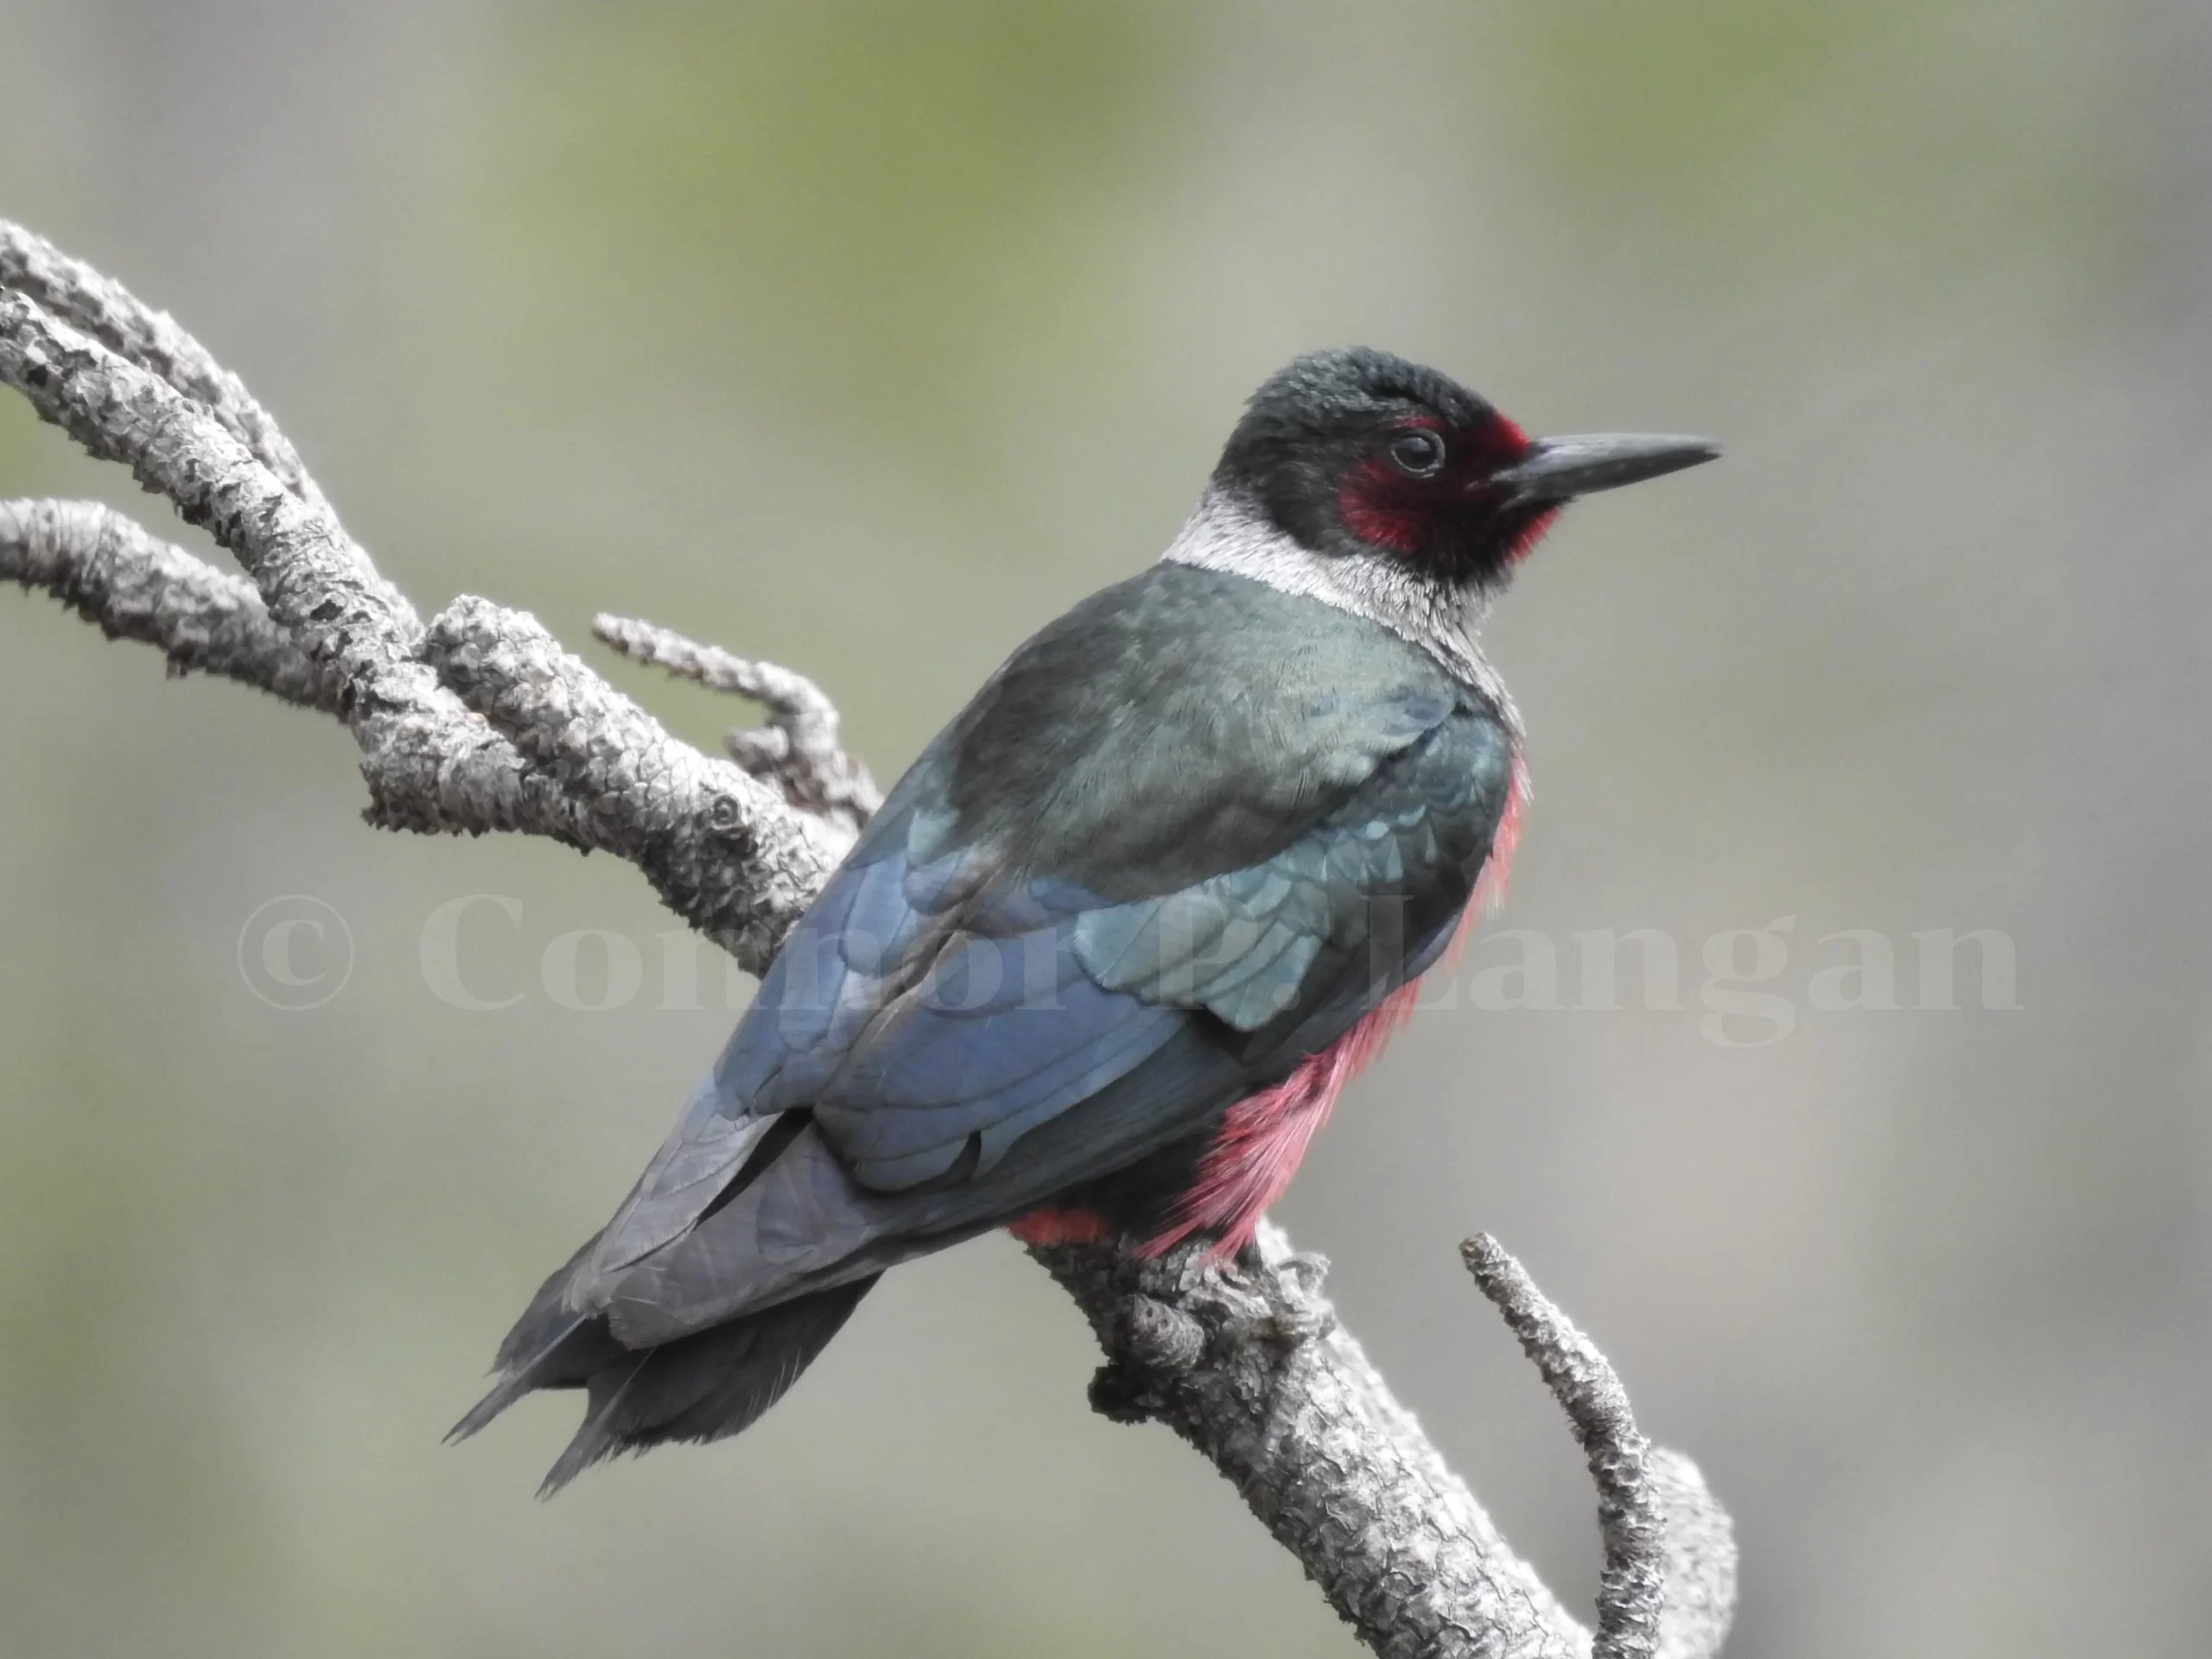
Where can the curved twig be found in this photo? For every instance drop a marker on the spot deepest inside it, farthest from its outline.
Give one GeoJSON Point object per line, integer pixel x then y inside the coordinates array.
{"type": "Point", "coordinates": [1597, 1405]}
{"type": "Point", "coordinates": [1248, 1364]}
{"type": "Point", "coordinates": [799, 750]}
{"type": "Point", "coordinates": [720, 847]}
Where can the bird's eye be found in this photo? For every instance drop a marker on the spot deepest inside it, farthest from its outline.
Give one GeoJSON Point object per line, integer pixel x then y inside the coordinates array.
{"type": "Point", "coordinates": [1418, 454]}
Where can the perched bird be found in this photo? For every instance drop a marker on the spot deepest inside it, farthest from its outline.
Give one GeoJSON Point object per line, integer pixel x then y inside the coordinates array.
{"type": "Point", "coordinates": [1101, 963]}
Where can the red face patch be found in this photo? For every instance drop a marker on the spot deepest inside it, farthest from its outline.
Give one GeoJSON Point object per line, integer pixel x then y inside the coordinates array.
{"type": "Point", "coordinates": [1374, 506]}
{"type": "Point", "coordinates": [1387, 506]}
{"type": "Point", "coordinates": [1525, 538]}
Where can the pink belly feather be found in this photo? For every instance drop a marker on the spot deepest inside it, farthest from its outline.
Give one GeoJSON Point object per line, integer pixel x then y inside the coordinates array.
{"type": "Point", "coordinates": [1264, 1136]}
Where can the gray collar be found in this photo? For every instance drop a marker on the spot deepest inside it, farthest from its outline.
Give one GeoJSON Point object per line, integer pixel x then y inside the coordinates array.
{"type": "Point", "coordinates": [1223, 534]}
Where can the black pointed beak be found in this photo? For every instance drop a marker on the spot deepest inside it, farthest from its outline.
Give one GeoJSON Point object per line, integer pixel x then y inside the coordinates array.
{"type": "Point", "coordinates": [1558, 469]}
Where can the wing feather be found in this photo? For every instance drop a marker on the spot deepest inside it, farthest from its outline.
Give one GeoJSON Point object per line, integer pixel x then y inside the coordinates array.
{"type": "Point", "coordinates": [975, 971]}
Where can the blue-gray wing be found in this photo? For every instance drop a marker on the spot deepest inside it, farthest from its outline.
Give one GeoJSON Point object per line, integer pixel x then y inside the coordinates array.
{"type": "Point", "coordinates": [933, 1018]}
{"type": "Point", "coordinates": [1367, 886]}
{"type": "Point", "coordinates": [1094, 912]}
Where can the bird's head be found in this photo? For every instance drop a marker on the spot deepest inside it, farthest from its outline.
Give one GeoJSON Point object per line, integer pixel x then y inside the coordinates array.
{"type": "Point", "coordinates": [1358, 456]}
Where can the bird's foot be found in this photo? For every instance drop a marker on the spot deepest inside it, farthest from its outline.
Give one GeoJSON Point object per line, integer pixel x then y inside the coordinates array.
{"type": "Point", "coordinates": [1288, 1288]}
{"type": "Point", "coordinates": [1154, 1344]}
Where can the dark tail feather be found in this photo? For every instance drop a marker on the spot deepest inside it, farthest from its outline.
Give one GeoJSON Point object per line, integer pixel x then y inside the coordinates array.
{"type": "Point", "coordinates": [550, 1347]}
{"type": "Point", "coordinates": [697, 1388]}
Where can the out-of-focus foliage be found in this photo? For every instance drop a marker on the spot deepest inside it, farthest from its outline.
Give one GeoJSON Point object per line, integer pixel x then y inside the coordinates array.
{"type": "Point", "coordinates": [839, 169]}
{"type": "Point", "coordinates": [869, 336]}
{"type": "Point", "coordinates": [1798, 134]}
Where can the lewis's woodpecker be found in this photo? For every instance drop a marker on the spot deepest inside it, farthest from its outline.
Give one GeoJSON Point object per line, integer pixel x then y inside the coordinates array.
{"type": "Point", "coordinates": [1102, 961]}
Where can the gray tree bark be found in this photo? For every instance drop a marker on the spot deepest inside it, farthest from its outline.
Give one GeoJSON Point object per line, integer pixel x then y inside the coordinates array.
{"type": "Point", "coordinates": [481, 721]}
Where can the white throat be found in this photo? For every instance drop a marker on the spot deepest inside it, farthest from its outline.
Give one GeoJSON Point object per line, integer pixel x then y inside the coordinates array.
{"type": "Point", "coordinates": [1222, 534]}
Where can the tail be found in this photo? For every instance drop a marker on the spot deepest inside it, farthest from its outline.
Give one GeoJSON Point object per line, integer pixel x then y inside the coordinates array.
{"type": "Point", "coordinates": [702, 1387]}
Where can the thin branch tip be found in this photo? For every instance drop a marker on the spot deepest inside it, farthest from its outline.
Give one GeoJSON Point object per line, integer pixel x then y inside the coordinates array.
{"type": "Point", "coordinates": [102, 307]}
{"type": "Point", "coordinates": [1669, 1588]}
{"type": "Point", "coordinates": [799, 751]}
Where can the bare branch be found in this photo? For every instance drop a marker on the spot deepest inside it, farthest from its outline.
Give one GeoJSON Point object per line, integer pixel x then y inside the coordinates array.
{"type": "Point", "coordinates": [1249, 1366]}
{"type": "Point", "coordinates": [444, 771]}
{"type": "Point", "coordinates": [799, 750]}
{"type": "Point", "coordinates": [484, 722]}
{"type": "Point", "coordinates": [1699, 1571]}
{"type": "Point", "coordinates": [134, 586]}
{"type": "Point", "coordinates": [726, 854]}
{"type": "Point", "coordinates": [724, 850]}
{"type": "Point", "coordinates": [102, 307]}
{"type": "Point", "coordinates": [316, 583]}
{"type": "Point", "coordinates": [1670, 1584]}
{"type": "Point", "coordinates": [1597, 1405]}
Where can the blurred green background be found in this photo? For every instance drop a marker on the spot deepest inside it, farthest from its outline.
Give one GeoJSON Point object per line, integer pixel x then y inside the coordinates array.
{"type": "Point", "coordinates": [869, 336]}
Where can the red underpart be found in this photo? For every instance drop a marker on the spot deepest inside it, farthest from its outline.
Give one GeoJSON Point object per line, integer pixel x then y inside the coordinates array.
{"type": "Point", "coordinates": [1264, 1136]}
{"type": "Point", "coordinates": [1052, 1226]}
{"type": "Point", "coordinates": [1497, 869]}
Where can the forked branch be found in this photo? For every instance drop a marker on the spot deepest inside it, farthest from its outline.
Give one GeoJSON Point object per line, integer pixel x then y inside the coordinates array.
{"type": "Point", "coordinates": [481, 721]}
{"type": "Point", "coordinates": [799, 750]}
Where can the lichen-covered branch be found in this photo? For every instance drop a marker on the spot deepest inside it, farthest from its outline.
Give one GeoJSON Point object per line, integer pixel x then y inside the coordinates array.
{"type": "Point", "coordinates": [723, 843]}
{"type": "Point", "coordinates": [1597, 1405]}
{"type": "Point", "coordinates": [799, 750]}
{"type": "Point", "coordinates": [1699, 1571]}
{"type": "Point", "coordinates": [103, 308]}
{"type": "Point", "coordinates": [315, 582]}
{"type": "Point", "coordinates": [1250, 1367]}
{"type": "Point", "coordinates": [481, 721]}
{"type": "Point", "coordinates": [131, 585]}
{"type": "Point", "coordinates": [725, 853]}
